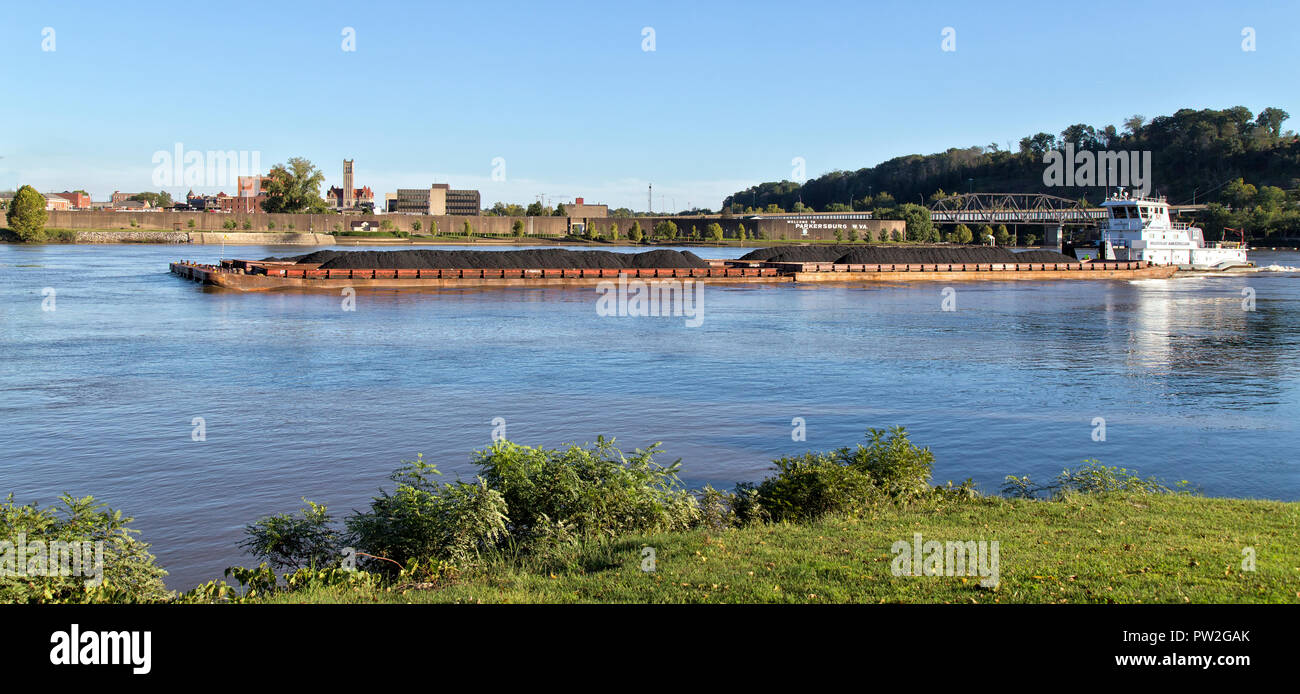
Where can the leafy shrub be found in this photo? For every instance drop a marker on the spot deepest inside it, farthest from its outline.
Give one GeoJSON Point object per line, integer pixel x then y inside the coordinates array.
{"type": "Point", "coordinates": [247, 225]}
{"type": "Point", "coordinates": [717, 509]}
{"type": "Point", "coordinates": [423, 518]}
{"type": "Point", "coordinates": [814, 484]}
{"type": "Point", "coordinates": [292, 542]}
{"type": "Point", "coordinates": [1090, 477]}
{"type": "Point", "coordinates": [130, 573]}
{"type": "Point", "coordinates": [846, 480]}
{"type": "Point", "coordinates": [595, 490]}
{"type": "Point", "coordinates": [189, 224]}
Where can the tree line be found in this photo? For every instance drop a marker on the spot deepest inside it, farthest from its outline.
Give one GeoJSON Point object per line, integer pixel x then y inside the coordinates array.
{"type": "Point", "coordinates": [1244, 162]}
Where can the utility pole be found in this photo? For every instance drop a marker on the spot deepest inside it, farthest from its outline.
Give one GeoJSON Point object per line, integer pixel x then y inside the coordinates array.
{"type": "Point", "coordinates": [650, 198]}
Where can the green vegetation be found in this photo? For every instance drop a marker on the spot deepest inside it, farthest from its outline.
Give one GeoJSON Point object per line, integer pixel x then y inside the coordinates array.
{"type": "Point", "coordinates": [574, 525]}
{"type": "Point", "coordinates": [714, 232]}
{"type": "Point", "coordinates": [1115, 547]}
{"type": "Point", "coordinates": [162, 199]}
{"type": "Point", "coordinates": [391, 234]}
{"type": "Point", "coordinates": [665, 230]}
{"type": "Point", "coordinates": [130, 573]}
{"type": "Point", "coordinates": [27, 216]}
{"type": "Point", "coordinates": [635, 235]}
{"type": "Point", "coordinates": [1245, 164]}
{"type": "Point", "coordinates": [295, 188]}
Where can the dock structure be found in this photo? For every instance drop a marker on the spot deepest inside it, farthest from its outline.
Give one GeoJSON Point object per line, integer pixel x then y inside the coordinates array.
{"type": "Point", "coordinates": [253, 275]}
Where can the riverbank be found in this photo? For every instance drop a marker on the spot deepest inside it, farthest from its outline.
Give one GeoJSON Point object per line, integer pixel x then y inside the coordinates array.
{"type": "Point", "coordinates": [1086, 548]}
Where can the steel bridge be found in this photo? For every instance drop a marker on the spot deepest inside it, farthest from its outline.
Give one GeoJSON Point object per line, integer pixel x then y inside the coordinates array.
{"type": "Point", "coordinates": [1013, 208]}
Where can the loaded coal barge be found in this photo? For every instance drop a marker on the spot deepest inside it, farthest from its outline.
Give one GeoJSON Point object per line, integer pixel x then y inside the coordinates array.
{"type": "Point", "coordinates": [333, 270]}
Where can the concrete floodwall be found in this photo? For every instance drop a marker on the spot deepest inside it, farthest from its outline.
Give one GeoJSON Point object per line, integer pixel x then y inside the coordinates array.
{"type": "Point", "coordinates": [234, 238]}
{"type": "Point", "coordinates": [322, 224]}
{"type": "Point", "coordinates": [194, 222]}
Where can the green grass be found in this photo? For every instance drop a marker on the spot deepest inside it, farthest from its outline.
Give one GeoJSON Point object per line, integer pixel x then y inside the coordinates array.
{"type": "Point", "coordinates": [1087, 548]}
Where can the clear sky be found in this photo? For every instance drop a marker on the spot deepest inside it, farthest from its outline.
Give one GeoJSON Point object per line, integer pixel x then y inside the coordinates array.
{"type": "Point", "coordinates": [565, 94]}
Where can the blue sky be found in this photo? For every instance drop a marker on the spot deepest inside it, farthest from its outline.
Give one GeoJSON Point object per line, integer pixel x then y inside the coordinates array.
{"type": "Point", "coordinates": [564, 93]}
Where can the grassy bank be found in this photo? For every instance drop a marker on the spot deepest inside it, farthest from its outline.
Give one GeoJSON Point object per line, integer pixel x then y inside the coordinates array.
{"type": "Point", "coordinates": [1111, 547]}
{"type": "Point", "coordinates": [594, 523]}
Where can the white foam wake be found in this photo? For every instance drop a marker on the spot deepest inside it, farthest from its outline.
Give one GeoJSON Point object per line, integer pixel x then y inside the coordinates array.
{"type": "Point", "coordinates": [1278, 268]}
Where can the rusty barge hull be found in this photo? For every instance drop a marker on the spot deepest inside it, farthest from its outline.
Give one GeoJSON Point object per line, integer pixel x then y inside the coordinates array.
{"type": "Point", "coordinates": [248, 275]}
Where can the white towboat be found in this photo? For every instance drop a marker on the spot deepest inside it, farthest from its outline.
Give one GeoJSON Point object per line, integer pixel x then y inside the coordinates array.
{"type": "Point", "coordinates": [1138, 228]}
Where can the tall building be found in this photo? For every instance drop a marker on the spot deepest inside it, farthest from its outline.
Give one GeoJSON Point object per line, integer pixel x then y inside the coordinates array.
{"type": "Point", "coordinates": [464, 202]}
{"type": "Point", "coordinates": [349, 195]}
{"type": "Point", "coordinates": [437, 199]}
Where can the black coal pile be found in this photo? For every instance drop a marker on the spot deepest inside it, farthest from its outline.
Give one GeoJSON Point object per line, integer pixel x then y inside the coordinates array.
{"type": "Point", "coordinates": [798, 254]}
{"type": "Point", "coordinates": [313, 257]}
{"type": "Point", "coordinates": [898, 255]}
{"type": "Point", "coordinates": [526, 259]}
{"type": "Point", "coordinates": [901, 255]}
{"type": "Point", "coordinates": [1044, 256]}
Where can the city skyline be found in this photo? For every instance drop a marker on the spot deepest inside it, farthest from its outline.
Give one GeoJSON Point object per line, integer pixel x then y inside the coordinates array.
{"type": "Point", "coordinates": [726, 98]}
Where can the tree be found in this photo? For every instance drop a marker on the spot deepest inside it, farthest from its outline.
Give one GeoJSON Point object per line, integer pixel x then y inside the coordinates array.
{"type": "Point", "coordinates": [919, 226]}
{"type": "Point", "coordinates": [853, 235]}
{"type": "Point", "coordinates": [613, 231]}
{"type": "Point", "coordinates": [666, 230]}
{"type": "Point", "coordinates": [416, 226]}
{"type": "Point", "coordinates": [1271, 198]}
{"type": "Point", "coordinates": [534, 210]}
{"type": "Point", "coordinates": [160, 199]}
{"type": "Point", "coordinates": [294, 188]}
{"type": "Point", "coordinates": [1030, 239]}
{"type": "Point", "coordinates": [839, 235]}
{"type": "Point", "coordinates": [741, 234]}
{"type": "Point", "coordinates": [714, 232]}
{"type": "Point", "coordinates": [635, 234]}
{"type": "Point", "coordinates": [1271, 119]}
{"type": "Point", "coordinates": [964, 234]}
{"type": "Point", "coordinates": [559, 211]}
{"type": "Point", "coordinates": [517, 227]}
{"type": "Point", "coordinates": [27, 215]}
{"type": "Point", "coordinates": [1239, 194]}
{"type": "Point", "coordinates": [1002, 235]}
{"type": "Point", "coordinates": [469, 230]}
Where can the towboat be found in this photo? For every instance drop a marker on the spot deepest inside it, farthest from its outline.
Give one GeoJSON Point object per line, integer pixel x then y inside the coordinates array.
{"type": "Point", "coordinates": [1139, 228]}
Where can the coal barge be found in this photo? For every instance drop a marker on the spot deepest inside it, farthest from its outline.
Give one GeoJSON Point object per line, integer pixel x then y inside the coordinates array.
{"type": "Point", "coordinates": [267, 275]}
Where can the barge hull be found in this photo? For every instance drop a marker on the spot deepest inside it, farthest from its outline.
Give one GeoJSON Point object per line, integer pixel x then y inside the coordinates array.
{"type": "Point", "coordinates": [1150, 272]}
{"type": "Point", "coordinates": [251, 276]}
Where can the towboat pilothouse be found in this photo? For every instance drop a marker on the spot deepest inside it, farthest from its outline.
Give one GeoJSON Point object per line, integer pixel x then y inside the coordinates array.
{"type": "Point", "coordinates": [1138, 228]}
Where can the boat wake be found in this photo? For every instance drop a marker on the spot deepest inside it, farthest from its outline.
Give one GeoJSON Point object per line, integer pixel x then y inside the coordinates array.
{"type": "Point", "coordinates": [1278, 268]}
